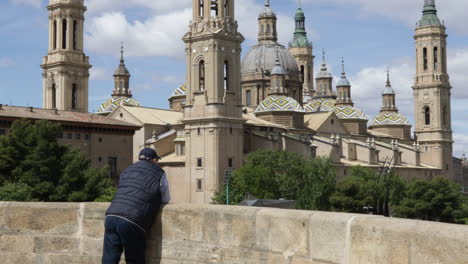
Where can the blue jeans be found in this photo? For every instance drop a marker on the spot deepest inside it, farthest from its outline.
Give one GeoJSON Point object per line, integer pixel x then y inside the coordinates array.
{"type": "Point", "coordinates": [121, 235]}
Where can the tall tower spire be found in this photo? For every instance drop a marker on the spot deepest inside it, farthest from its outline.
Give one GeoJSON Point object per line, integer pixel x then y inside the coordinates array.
{"type": "Point", "coordinates": [122, 78]}
{"type": "Point", "coordinates": [213, 109]}
{"type": "Point", "coordinates": [343, 88]}
{"type": "Point", "coordinates": [324, 81]}
{"type": "Point", "coordinates": [66, 67]}
{"type": "Point", "coordinates": [388, 96]}
{"type": "Point", "coordinates": [432, 94]}
{"type": "Point", "coordinates": [302, 51]}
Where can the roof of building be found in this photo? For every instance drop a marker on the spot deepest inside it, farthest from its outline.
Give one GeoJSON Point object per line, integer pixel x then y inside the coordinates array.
{"type": "Point", "coordinates": [342, 111]}
{"type": "Point", "coordinates": [386, 119]}
{"type": "Point", "coordinates": [172, 158]}
{"type": "Point", "coordinates": [180, 91]}
{"type": "Point", "coordinates": [315, 120]}
{"type": "Point", "coordinates": [262, 57]}
{"type": "Point", "coordinates": [155, 116]}
{"type": "Point", "coordinates": [267, 12]}
{"type": "Point", "coordinates": [279, 103]}
{"type": "Point", "coordinates": [429, 17]}
{"type": "Point", "coordinates": [112, 103]}
{"type": "Point", "coordinates": [16, 112]}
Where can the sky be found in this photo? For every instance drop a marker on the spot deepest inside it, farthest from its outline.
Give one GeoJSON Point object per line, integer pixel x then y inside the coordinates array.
{"type": "Point", "coordinates": [369, 34]}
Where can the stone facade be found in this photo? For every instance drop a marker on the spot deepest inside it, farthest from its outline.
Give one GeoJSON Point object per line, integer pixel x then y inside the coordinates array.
{"type": "Point", "coordinates": [45, 233]}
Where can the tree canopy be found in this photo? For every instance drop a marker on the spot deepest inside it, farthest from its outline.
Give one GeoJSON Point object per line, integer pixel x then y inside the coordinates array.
{"type": "Point", "coordinates": [32, 160]}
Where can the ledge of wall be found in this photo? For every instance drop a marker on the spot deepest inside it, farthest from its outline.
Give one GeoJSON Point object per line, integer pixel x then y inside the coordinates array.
{"type": "Point", "coordinates": [49, 233]}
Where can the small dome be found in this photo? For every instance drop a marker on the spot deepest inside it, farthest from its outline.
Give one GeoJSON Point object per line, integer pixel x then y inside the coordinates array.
{"type": "Point", "coordinates": [349, 112]}
{"type": "Point", "coordinates": [323, 73]}
{"type": "Point", "coordinates": [262, 57]}
{"type": "Point", "coordinates": [320, 105]}
{"type": "Point", "coordinates": [328, 105]}
{"type": "Point", "coordinates": [385, 119]}
{"type": "Point", "coordinates": [279, 103]}
{"type": "Point", "coordinates": [299, 14]}
{"type": "Point", "coordinates": [121, 70]}
{"type": "Point", "coordinates": [267, 12]}
{"type": "Point", "coordinates": [388, 90]}
{"type": "Point", "coordinates": [110, 105]}
{"type": "Point", "coordinates": [180, 91]}
{"type": "Point", "coordinates": [343, 81]}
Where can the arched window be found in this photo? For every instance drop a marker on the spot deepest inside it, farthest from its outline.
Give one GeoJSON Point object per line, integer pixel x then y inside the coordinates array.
{"type": "Point", "coordinates": [268, 29]}
{"type": "Point", "coordinates": [214, 8]}
{"type": "Point", "coordinates": [262, 29]}
{"type": "Point", "coordinates": [427, 115]}
{"type": "Point", "coordinates": [55, 35]}
{"type": "Point", "coordinates": [425, 58]}
{"type": "Point", "coordinates": [443, 61]}
{"type": "Point", "coordinates": [201, 79]}
{"type": "Point", "coordinates": [258, 94]}
{"type": "Point", "coordinates": [248, 98]}
{"type": "Point", "coordinates": [226, 8]}
{"type": "Point", "coordinates": [226, 76]}
{"type": "Point", "coordinates": [302, 73]}
{"type": "Point", "coordinates": [64, 34]}
{"type": "Point", "coordinates": [201, 9]}
{"type": "Point", "coordinates": [121, 84]}
{"type": "Point", "coordinates": [436, 58]}
{"type": "Point", "coordinates": [75, 35]}
{"type": "Point", "coordinates": [308, 73]}
{"type": "Point", "coordinates": [54, 96]}
{"type": "Point", "coordinates": [74, 96]}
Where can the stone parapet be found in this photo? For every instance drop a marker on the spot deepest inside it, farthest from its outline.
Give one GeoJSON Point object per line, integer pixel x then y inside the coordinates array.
{"type": "Point", "coordinates": [72, 233]}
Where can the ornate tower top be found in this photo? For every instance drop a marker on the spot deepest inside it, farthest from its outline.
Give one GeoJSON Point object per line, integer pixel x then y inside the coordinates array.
{"type": "Point", "coordinates": [324, 70]}
{"type": "Point", "coordinates": [343, 88]}
{"type": "Point", "coordinates": [122, 78]}
{"type": "Point", "coordinates": [300, 34]}
{"type": "Point", "coordinates": [267, 25]}
{"type": "Point", "coordinates": [429, 17]}
{"type": "Point", "coordinates": [388, 87]}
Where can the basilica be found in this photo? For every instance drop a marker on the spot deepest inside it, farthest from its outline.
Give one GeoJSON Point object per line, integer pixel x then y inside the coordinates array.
{"type": "Point", "coordinates": [230, 106]}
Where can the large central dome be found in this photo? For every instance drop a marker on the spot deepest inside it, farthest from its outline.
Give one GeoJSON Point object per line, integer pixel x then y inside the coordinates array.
{"type": "Point", "coordinates": [262, 57]}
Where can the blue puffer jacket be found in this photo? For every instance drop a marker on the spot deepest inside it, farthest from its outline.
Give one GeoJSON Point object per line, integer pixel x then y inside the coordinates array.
{"type": "Point", "coordinates": [138, 197]}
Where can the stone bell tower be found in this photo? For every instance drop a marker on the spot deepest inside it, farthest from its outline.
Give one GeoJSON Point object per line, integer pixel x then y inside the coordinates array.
{"type": "Point", "coordinates": [432, 92]}
{"type": "Point", "coordinates": [66, 67]}
{"type": "Point", "coordinates": [213, 110]}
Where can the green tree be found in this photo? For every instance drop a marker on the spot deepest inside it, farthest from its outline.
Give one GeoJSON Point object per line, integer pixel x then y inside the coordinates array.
{"type": "Point", "coordinates": [366, 190]}
{"type": "Point", "coordinates": [30, 154]}
{"type": "Point", "coordinates": [271, 174]}
{"type": "Point", "coordinates": [439, 199]}
{"type": "Point", "coordinates": [317, 186]}
{"type": "Point", "coordinates": [19, 192]}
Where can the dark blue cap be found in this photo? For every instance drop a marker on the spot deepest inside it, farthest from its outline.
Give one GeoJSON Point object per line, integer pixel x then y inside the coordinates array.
{"type": "Point", "coordinates": [148, 154]}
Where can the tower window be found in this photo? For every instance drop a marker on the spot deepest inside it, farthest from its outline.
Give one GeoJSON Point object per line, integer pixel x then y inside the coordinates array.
{"type": "Point", "coordinates": [258, 94]}
{"type": "Point", "coordinates": [199, 185]}
{"type": "Point", "coordinates": [55, 35]}
{"type": "Point", "coordinates": [199, 162]}
{"type": "Point", "coordinates": [121, 85]}
{"type": "Point", "coordinates": [226, 75]}
{"type": "Point", "coordinates": [198, 131]}
{"type": "Point", "coordinates": [214, 8]}
{"type": "Point", "coordinates": [427, 115]}
{"type": "Point", "coordinates": [64, 34]}
{"type": "Point", "coordinates": [202, 75]}
{"type": "Point", "coordinates": [302, 73]}
{"type": "Point", "coordinates": [268, 29]}
{"type": "Point", "coordinates": [201, 9]}
{"type": "Point", "coordinates": [425, 58]}
{"type": "Point", "coordinates": [308, 73]}
{"type": "Point", "coordinates": [226, 10]}
{"type": "Point", "coordinates": [248, 98]}
{"type": "Point", "coordinates": [54, 96]}
{"type": "Point", "coordinates": [443, 61]}
{"type": "Point", "coordinates": [74, 96]}
{"type": "Point", "coordinates": [75, 35]}
{"type": "Point", "coordinates": [262, 28]}
{"type": "Point", "coordinates": [436, 60]}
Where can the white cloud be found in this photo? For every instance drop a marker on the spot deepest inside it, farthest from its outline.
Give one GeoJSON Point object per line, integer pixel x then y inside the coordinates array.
{"type": "Point", "coordinates": [100, 74]}
{"type": "Point", "coordinates": [35, 3]}
{"type": "Point", "coordinates": [6, 62]}
{"type": "Point", "coordinates": [453, 12]}
{"type": "Point", "coordinates": [160, 33]}
{"type": "Point", "coordinates": [461, 146]}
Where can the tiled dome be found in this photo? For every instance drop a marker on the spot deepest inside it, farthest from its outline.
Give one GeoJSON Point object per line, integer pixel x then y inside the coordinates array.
{"type": "Point", "coordinates": [342, 111]}
{"type": "Point", "coordinates": [110, 105]}
{"type": "Point", "coordinates": [384, 119]}
{"type": "Point", "coordinates": [279, 103]}
{"type": "Point", "coordinates": [180, 91]}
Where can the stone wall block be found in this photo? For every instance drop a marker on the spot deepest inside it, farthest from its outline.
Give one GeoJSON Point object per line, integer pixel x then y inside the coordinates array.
{"type": "Point", "coordinates": [62, 259]}
{"type": "Point", "coordinates": [284, 231]}
{"type": "Point", "coordinates": [179, 223]}
{"type": "Point", "coordinates": [56, 245]}
{"type": "Point", "coordinates": [193, 252]}
{"type": "Point", "coordinates": [389, 240]}
{"type": "Point", "coordinates": [229, 226]}
{"type": "Point", "coordinates": [92, 246]}
{"type": "Point", "coordinates": [50, 218]}
{"type": "Point", "coordinates": [327, 236]}
{"type": "Point", "coordinates": [23, 258]}
{"type": "Point", "coordinates": [243, 255]}
{"type": "Point", "coordinates": [3, 226]}
{"type": "Point", "coordinates": [16, 243]}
